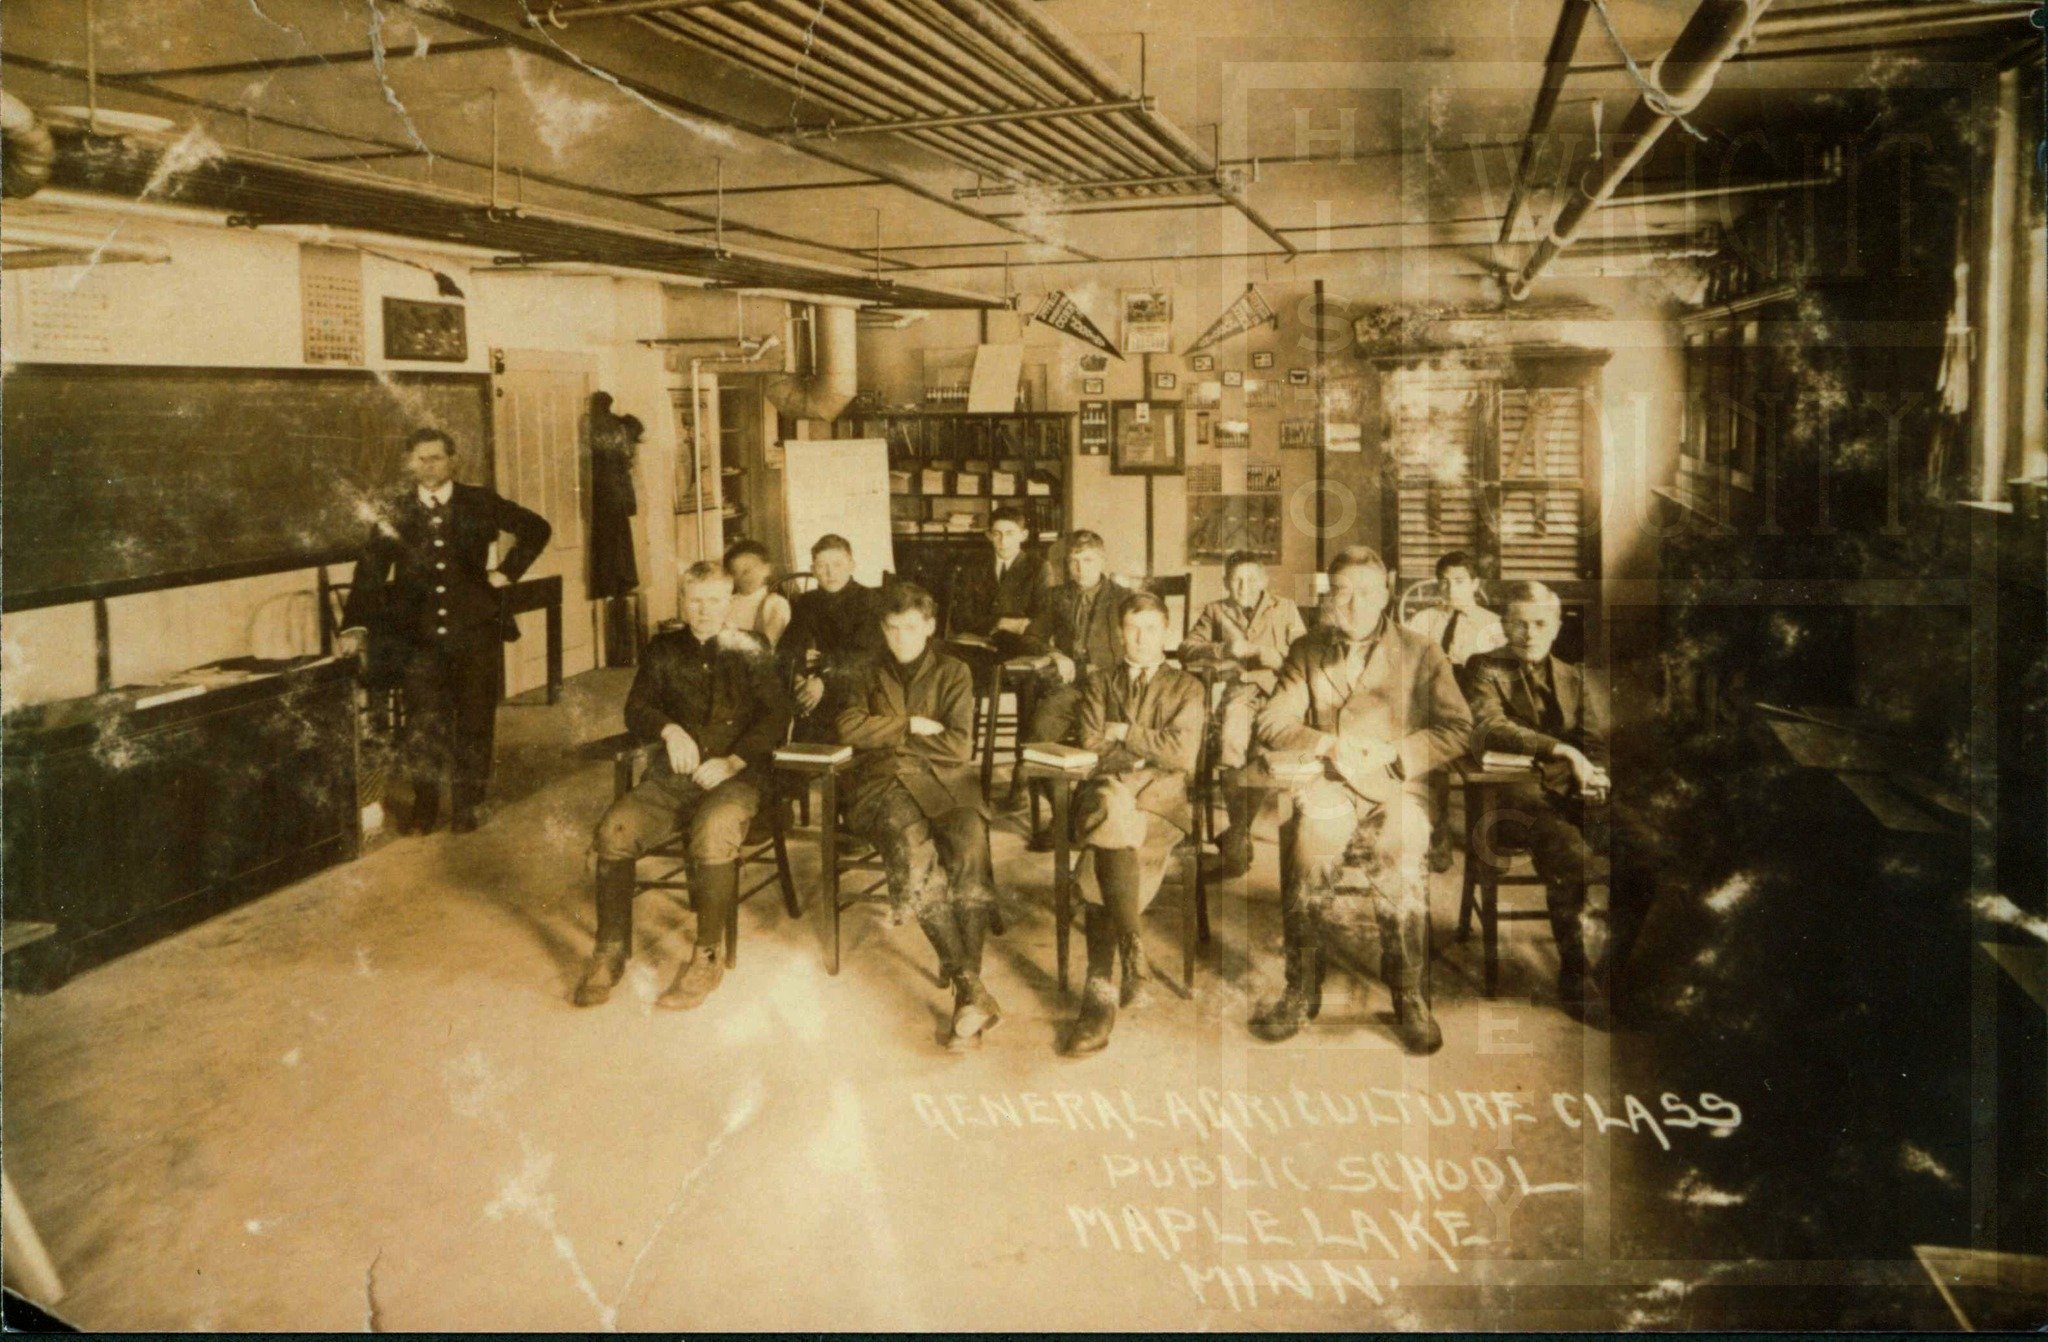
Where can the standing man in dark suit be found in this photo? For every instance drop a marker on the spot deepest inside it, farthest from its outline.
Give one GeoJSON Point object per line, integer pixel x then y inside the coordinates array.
{"type": "Point", "coordinates": [996, 594]}
{"type": "Point", "coordinates": [832, 640]}
{"type": "Point", "coordinates": [1378, 708]}
{"type": "Point", "coordinates": [1527, 702]}
{"type": "Point", "coordinates": [1078, 626]}
{"type": "Point", "coordinates": [914, 794]}
{"type": "Point", "coordinates": [713, 698]}
{"type": "Point", "coordinates": [422, 588]}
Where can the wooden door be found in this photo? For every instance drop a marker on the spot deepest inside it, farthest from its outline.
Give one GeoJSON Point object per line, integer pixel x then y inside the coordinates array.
{"type": "Point", "coordinates": [541, 400]}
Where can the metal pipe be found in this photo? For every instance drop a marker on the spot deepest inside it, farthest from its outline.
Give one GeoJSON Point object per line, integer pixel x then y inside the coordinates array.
{"type": "Point", "coordinates": [557, 17]}
{"type": "Point", "coordinates": [302, 62]}
{"type": "Point", "coordinates": [1564, 41]}
{"type": "Point", "coordinates": [1017, 45]}
{"type": "Point", "coordinates": [698, 193]}
{"type": "Point", "coordinates": [1683, 76]}
{"type": "Point", "coordinates": [1103, 184]}
{"type": "Point", "coordinates": [927, 22]}
{"type": "Point", "coordinates": [670, 101]}
{"type": "Point", "coordinates": [1864, 14]}
{"type": "Point", "coordinates": [1805, 53]}
{"type": "Point", "coordinates": [898, 33]}
{"type": "Point", "coordinates": [1730, 189]}
{"type": "Point", "coordinates": [1086, 63]}
{"type": "Point", "coordinates": [966, 119]}
{"type": "Point", "coordinates": [774, 44]}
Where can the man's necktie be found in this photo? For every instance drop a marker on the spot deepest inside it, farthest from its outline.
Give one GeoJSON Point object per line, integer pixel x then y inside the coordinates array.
{"type": "Point", "coordinates": [1450, 630]}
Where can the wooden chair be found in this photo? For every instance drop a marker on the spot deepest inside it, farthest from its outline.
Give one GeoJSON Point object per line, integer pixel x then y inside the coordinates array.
{"type": "Point", "coordinates": [1175, 587]}
{"type": "Point", "coordinates": [1484, 877]}
{"type": "Point", "coordinates": [672, 854]}
{"type": "Point", "coordinates": [1416, 596]}
{"type": "Point", "coordinates": [840, 854]}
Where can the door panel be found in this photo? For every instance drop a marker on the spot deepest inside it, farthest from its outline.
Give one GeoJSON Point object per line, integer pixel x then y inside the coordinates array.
{"type": "Point", "coordinates": [542, 399]}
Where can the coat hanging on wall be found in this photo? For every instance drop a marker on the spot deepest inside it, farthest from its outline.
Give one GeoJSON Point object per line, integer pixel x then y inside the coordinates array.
{"type": "Point", "coordinates": [614, 440]}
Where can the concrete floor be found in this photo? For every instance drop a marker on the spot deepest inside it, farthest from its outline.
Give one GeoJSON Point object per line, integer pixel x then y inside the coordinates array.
{"type": "Point", "coordinates": [365, 1102]}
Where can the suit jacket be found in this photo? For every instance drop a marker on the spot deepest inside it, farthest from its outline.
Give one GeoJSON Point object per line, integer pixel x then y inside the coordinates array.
{"type": "Point", "coordinates": [1507, 710]}
{"type": "Point", "coordinates": [937, 770]}
{"type": "Point", "coordinates": [842, 628]}
{"type": "Point", "coordinates": [1101, 644]}
{"type": "Point", "coordinates": [417, 580]}
{"type": "Point", "coordinates": [1272, 626]}
{"type": "Point", "coordinates": [1159, 753]}
{"type": "Point", "coordinates": [1477, 633]}
{"type": "Point", "coordinates": [1405, 696]}
{"type": "Point", "coordinates": [726, 694]}
{"type": "Point", "coordinates": [976, 598]}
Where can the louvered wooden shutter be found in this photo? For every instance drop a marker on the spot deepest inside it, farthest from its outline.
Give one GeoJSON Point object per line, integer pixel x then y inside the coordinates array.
{"type": "Point", "coordinates": [1437, 419]}
{"type": "Point", "coordinates": [1542, 469]}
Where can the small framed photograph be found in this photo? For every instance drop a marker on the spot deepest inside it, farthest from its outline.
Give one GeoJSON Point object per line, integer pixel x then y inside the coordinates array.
{"type": "Point", "coordinates": [1165, 382]}
{"type": "Point", "coordinates": [1145, 438]}
{"type": "Point", "coordinates": [1202, 428]}
{"type": "Point", "coordinates": [1297, 377]}
{"type": "Point", "coordinates": [1297, 433]}
{"type": "Point", "coordinates": [1094, 363]}
{"type": "Point", "coordinates": [1262, 358]}
{"type": "Point", "coordinates": [1091, 386]}
{"type": "Point", "coordinates": [1202, 363]}
{"type": "Point", "coordinates": [1233, 377]}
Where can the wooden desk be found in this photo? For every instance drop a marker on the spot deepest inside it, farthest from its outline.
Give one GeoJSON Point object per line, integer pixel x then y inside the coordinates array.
{"type": "Point", "coordinates": [124, 825]}
{"type": "Point", "coordinates": [542, 594]}
{"type": "Point", "coordinates": [1062, 784]}
{"type": "Point", "coordinates": [1483, 878]}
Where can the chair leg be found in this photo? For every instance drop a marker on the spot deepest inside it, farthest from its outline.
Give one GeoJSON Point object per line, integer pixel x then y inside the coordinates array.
{"type": "Point", "coordinates": [985, 721]}
{"type": "Point", "coordinates": [1194, 922]}
{"type": "Point", "coordinates": [1466, 900]}
{"type": "Point", "coordinates": [790, 904]}
{"type": "Point", "coordinates": [1489, 925]}
{"type": "Point", "coordinates": [732, 936]}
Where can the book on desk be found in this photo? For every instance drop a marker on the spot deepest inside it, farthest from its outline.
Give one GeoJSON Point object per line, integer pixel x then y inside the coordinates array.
{"type": "Point", "coordinates": [806, 752]}
{"type": "Point", "coordinates": [1072, 759]}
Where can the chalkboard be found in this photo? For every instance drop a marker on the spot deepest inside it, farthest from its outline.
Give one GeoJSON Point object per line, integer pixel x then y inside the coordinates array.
{"type": "Point", "coordinates": [124, 479]}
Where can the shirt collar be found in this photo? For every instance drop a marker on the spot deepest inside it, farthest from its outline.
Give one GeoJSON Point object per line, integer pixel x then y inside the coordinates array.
{"type": "Point", "coordinates": [909, 672]}
{"type": "Point", "coordinates": [1142, 674]}
{"type": "Point", "coordinates": [1365, 640]}
{"type": "Point", "coordinates": [430, 497]}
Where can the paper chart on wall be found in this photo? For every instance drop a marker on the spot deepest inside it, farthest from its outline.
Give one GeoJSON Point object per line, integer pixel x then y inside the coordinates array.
{"type": "Point", "coordinates": [840, 487]}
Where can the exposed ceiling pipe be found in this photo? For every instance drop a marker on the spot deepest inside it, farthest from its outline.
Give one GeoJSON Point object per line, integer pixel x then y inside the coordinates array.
{"type": "Point", "coordinates": [27, 153]}
{"type": "Point", "coordinates": [1832, 175]}
{"type": "Point", "coordinates": [1682, 78]}
{"type": "Point", "coordinates": [1863, 15]}
{"type": "Point", "coordinates": [1108, 85]}
{"type": "Point", "coordinates": [833, 379]}
{"type": "Point", "coordinates": [1557, 63]}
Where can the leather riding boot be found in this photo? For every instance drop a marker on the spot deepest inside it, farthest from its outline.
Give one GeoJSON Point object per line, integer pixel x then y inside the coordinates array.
{"type": "Point", "coordinates": [426, 804]}
{"type": "Point", "coordinates": [614, 932]}
{"type": "Point", "coordinates": [1041, 840]}
{"type": "Point", "coordinates": [1573, 996]}
{"type": "Point", "coordinates": [1413, 1025]}
{"type": "Point", "coordinates": [1116, 870]}
{"type": "Point", "coordinates": [1098, 995]}
{"type": "Point", "coordinates": [1283, 1017]}
{"type": "Point", "coordinates": [975, 1010]}
{"type": "Point", "coordinates": [1234, 844]}
{"type": "Point", "coordinates": [714, 896]}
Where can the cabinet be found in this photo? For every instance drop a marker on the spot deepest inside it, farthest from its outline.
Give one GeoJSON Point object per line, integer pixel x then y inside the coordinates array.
{"type": "Point", "coordinates": [948, 472]}
{"type": "Point", "coordinates": [123, 825]}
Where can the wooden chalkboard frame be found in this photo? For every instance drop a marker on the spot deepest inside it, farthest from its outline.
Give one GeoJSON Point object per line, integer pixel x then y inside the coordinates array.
{"type": "Point", "coordinates": [486, 454]}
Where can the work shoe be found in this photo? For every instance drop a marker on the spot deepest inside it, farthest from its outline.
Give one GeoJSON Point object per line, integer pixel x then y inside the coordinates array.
{"type": "Point", "coordinates": [1413, 1025]}
{"type": "Point", "coordinates": [1131, 992]}
{"type": "Point", "coordinates": [694, 981]}
{"type": "Point", "coordinates": [607, 966]}
{"type": "Point", "coordinates": [1282, 1019]}
{"type": "Point", "coordinates": [1581, 997]}
{"type": "Point", "coordinates": [975, 1012]}
{"type": "Point", "coordinates": [1233, 854]}
{"type": "Point", "coordinates": [1097, 1019]}
{"type": "Point", "coordinates": [1440, 857]}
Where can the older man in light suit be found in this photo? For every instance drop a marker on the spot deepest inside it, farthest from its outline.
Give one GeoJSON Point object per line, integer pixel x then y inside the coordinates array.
{"type": "Point", "coordinates": [1378, 706]}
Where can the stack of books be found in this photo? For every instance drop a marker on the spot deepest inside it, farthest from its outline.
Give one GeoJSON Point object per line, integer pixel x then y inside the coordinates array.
{"type": "Point", "coordinates": [1070, 758]}
{"type": "Point", "coordinates": [813, 752]}
{"type": "Point", "coordinates": [1506, 762]}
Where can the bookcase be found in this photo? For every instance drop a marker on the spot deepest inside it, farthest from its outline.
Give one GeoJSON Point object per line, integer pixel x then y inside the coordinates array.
{"type": "Point", "coordinates": [948, 471]}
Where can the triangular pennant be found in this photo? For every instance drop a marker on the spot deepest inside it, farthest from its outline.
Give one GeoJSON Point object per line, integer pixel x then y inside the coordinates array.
{"type": "Point", "coordinates": [1250, 309]}
{"type": "Point", "coordinates": [1062, 314]}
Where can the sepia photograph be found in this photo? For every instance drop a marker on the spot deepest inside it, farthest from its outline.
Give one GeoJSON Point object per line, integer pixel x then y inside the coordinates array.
{"type": "Point", "coordinates": [619, 714]}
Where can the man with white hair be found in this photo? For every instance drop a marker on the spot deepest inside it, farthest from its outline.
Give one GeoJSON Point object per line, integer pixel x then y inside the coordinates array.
{"type": "Point", "coordinates": [1527, 701]}
{"type": "Point", "coordinates": [714, 700]}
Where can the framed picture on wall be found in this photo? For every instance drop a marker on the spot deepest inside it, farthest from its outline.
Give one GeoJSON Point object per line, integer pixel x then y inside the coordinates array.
{"type": "Point", "coordinates": [425, 331]}
{"type": "Point", "coordinates": [1165, 381]}
{"type": "Point", "coordinates": [1262, 358]}
{"type": "Point", "coordinates": [1091, 386]}
{"type": "Point", "coordinates": [1233, 377]}
{"type": "Point", "coordinates": [1297, 433]}
{"type": "Point", "coordinates": [1297, 377]}
{"type": "Point", "coordinates": [1202, 419]}
{"type": "Point", "coordinates": [1148, 321]}
{"type": "Point", "coordinates": [1144, 438]}
{"type": "Point", "coordinates": [1202, 363]}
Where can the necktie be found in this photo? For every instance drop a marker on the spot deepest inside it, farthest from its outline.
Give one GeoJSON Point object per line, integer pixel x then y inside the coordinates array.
{"type": "Point", "coordinates": [1547, 705]}
{"type": "Point", "coordinates": [1450, 630]}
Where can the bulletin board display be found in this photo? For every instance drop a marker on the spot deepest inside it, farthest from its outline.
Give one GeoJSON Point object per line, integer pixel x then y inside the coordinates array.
{"type": "Point", "coordinates": [124, 479]}
{"type": "Point", "coordinates": [840, 487]}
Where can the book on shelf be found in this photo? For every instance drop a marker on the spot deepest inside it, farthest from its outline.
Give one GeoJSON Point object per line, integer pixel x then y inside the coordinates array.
{"type": "Point", "coordinates": [958, 523]}
{"type": "Point", "coordinates": [1038, 489]}
{"type": "Point", "coordinates": [933, 482]}
{"type": "Point", "coordinates": [1002, 483]}
{"type": "Point", "coordinates": [813, 752]}
{"type": "Point", "coordinates": [971, 641]}
{"type": "Point", "coordinates": [149, 696]}
{"type": "Point", "coordinates": [1071, 758]}
{"type": "Point", "coordinates": [1506, 762]}
{"type": "Point", "coordinates": [967, 482]}
{"type": "Point", "coordinates": [899, 482]}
